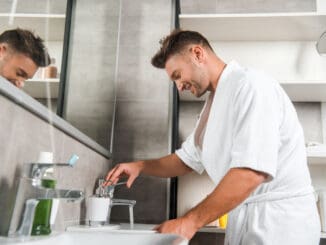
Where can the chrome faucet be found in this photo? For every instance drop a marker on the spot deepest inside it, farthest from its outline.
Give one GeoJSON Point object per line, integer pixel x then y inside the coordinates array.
{"type": "Point", "coordinates": [107, 192]}
{"type": "Point", "coordinates": [30, 192]}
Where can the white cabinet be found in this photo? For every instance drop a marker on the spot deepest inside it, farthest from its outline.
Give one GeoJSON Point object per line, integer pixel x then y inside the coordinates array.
{"type": "Point", "coordinates": [282, 44]}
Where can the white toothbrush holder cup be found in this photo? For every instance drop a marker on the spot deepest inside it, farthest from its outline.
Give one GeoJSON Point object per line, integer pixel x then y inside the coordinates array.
{"type": "Point", "coordinates": [97, 209]}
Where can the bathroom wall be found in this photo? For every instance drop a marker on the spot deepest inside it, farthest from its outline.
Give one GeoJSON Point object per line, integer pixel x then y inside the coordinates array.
{"type": "Point", "coordinates": [142, 119]}
{"type": "Point", "coordinates": [23, 135]}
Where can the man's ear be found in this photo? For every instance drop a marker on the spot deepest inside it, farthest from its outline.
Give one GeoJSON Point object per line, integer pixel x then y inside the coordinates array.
{"type": "Point", "coordinates": [198, 52]}
{"type": "Point", "coordinates": [3, 49]}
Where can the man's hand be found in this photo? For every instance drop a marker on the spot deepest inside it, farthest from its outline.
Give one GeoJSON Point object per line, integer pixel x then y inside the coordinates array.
{"type": "Point", "coordinates": [130, 170]}
{"type": "Point", "coordinates": [164, 167]}
{"type": "Point", "coordinates": [233, 189]}
{"type": "Point", "coordinates": [183, 226]}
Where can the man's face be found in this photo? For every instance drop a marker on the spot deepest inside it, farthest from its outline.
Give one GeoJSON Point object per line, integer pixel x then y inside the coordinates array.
{"type": "Point", "coordinates": [188, 73]}
{"type": "Point", "coordinates": [15, 67]}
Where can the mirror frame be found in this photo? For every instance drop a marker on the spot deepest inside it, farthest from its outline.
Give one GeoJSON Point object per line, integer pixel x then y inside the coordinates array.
{"type": "Point", "coordinates": [64, 63]}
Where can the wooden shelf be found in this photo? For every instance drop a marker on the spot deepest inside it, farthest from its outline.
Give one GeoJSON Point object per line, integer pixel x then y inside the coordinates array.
{"type": "Point", "coordinates": [42, 88]}
{"type": "Point", "coordinates": [306, 26]}
{"type": "Point", "coordinates": [49, 27]}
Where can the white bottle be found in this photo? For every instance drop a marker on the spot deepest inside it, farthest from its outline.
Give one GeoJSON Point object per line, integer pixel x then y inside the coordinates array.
{"type": "Point", "coordinates": [47, 157]}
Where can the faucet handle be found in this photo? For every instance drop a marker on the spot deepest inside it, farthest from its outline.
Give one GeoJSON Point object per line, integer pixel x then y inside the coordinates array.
{"type": "Point", "coordinates": [106, 191]}
{"type": "Point", "coordinates": [100, 190]}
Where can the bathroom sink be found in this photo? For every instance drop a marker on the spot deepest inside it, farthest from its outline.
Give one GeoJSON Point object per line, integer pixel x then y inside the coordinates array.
{"type": "Point", "coordinates": [121, 237]}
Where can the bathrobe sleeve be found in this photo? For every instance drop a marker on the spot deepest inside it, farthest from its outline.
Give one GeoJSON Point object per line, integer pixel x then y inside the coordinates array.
{"type": "Point", "coordinates": [256, 114]}
{"type": "Point", "coordinates": [189, 154]}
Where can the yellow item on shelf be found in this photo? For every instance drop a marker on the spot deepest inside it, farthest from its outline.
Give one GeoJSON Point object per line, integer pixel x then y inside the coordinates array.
{"type": "Point", "coordinates": [223, 220]}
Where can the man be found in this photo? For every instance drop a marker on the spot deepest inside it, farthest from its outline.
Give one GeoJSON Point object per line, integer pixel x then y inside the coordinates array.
{"type": "Point", "coordinates": [249, 141]}
{"type": "Point", "coordinates": [21, 53]}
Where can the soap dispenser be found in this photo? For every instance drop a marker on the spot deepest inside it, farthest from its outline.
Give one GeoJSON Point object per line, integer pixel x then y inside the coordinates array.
{"type": "Point", "coordinates": [41, 224]}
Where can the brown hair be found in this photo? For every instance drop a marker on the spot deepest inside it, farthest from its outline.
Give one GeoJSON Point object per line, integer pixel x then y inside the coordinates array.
{"type": "Point", "coordinates": [175, 43]}
{"type": "Point", "coordinates": [28, 44]}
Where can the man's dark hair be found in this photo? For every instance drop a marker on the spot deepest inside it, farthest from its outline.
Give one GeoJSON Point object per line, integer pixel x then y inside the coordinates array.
{"type": "Point", "coordinates": [175, 43]}
{"type": "Point", "coordinates": [28, 44]}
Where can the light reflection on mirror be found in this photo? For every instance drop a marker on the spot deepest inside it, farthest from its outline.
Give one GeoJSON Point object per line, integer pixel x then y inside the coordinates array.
{"type": "Point", "coordinates": [46, 19]}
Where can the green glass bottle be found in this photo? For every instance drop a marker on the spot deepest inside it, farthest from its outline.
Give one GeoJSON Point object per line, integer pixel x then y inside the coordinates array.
{"type": "Point", "coordinates": [41, 224]}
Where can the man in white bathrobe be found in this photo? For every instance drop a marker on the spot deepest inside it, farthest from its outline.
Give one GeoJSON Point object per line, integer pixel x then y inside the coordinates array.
{"type": "Point", "coordinates": [249, 141]}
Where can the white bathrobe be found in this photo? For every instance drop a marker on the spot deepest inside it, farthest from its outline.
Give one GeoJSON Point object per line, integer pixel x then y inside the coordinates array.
{"type": "Point", "coordinates": [249, 122]}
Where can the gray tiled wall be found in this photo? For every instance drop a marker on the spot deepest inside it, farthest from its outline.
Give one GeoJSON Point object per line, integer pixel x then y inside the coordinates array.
{"type": "Point", "coordinates": [90, 85]}
{"type": "Point", "coordinates": [23, 135]}
{"type": "Point", "coordinates": [142, 130]}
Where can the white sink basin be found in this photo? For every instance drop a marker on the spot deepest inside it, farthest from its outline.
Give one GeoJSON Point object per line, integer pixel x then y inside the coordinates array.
{"type": "Point", "coordinates": [110, 237]}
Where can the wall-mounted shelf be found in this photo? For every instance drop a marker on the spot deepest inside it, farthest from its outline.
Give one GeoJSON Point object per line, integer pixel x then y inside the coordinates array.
{"type": "Point", "coordinates": [304, 26]}
{"type": "Point", "coordinates": [298, 91]}
{"type": "Point", "coordinates": [47, 26]}
{"type": "Point", "coordinates": [42, 88]}
{"type": "Point", "coordinates": [316, 154]}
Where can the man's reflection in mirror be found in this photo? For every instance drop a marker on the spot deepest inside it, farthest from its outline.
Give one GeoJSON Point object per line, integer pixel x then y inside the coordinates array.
{"type": "Point", "coordinates": [21, 54]}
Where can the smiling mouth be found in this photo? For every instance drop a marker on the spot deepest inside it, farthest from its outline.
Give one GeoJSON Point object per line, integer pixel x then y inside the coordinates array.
{"type": "Point", "coordinates": [188, 86]}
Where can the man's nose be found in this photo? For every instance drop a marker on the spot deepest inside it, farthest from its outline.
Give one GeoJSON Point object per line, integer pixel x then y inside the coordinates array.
{"type": "Point", "coordinates": [20, 83]}
{"type": "Point", "coordinates": [179, 86]}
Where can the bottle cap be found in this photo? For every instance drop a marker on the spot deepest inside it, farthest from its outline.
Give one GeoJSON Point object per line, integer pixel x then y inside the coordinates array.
{"type": "Point", "coordinates": [45, 157]}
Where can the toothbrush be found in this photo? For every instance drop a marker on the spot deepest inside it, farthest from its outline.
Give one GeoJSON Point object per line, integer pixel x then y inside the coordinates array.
{"type": "Point", "coordinates": [73, 160]}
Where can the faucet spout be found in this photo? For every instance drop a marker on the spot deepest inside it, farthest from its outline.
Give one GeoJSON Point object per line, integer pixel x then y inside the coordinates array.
{"type": "Point", "coordinates": [123, 202]}
{"type": "Point", "coordinates": [41, 193]}
{"type": "Point", "coordinates": [28, 197]}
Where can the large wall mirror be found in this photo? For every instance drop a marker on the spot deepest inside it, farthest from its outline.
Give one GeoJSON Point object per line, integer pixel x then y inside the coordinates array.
{"type": "Point", "coordinates": [82, 38]}
{"type": "Point", "coordinates": [47, 20]}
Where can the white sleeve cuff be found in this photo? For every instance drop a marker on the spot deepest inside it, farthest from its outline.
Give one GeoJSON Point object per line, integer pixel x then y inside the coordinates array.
{"type": "Point", "coordinates": [198, 167]}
